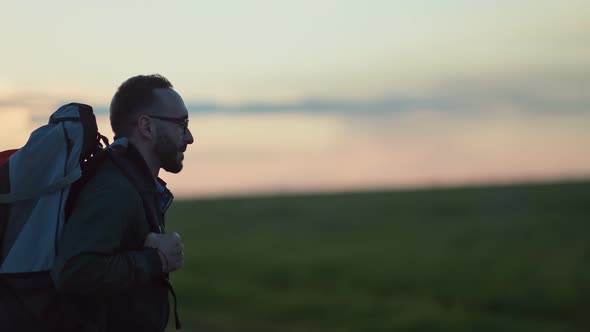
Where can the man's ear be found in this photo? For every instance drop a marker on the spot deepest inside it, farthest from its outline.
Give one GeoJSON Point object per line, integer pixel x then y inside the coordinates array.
{"type": "Point", "coordinates": [145, 127]}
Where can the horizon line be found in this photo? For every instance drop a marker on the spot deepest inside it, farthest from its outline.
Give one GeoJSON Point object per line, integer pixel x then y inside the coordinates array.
{"type": "Point", "coordinates": [484, 184]}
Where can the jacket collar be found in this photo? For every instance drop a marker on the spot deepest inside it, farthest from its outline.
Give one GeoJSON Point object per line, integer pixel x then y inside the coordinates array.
{"type": "Point", "coordinates": [137, 169]}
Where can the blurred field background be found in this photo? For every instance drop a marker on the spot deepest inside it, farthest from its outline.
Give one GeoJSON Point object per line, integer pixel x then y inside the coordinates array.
{"type": "Point", "coordinates": [495, 258]}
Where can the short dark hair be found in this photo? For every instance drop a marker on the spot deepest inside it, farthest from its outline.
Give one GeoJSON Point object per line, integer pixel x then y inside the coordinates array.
{"type": "Point", "coordinates": [133, 95]}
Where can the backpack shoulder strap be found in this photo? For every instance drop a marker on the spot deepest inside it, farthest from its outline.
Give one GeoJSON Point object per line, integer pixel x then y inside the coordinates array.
{"type": "Point", "coordinates": [89, 169]}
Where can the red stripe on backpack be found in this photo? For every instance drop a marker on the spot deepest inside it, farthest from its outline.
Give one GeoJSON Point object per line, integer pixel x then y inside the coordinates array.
{"type": "Point", "coordinates": [5, 155]}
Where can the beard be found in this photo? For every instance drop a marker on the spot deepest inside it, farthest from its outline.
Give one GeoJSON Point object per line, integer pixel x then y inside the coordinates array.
{"type": "Point", "coordinates": [168, 152]}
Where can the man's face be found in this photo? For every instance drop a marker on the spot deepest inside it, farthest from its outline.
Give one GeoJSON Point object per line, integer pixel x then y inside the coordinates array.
{"type": "Point", "coordinates": [172, 139]}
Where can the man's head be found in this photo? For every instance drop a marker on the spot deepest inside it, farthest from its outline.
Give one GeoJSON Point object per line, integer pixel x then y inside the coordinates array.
{"type": "Point", "coordinates": [147, 111]}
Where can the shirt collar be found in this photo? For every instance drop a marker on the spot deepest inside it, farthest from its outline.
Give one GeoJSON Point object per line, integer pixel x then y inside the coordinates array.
{"type": "Point", "coordinates": [164, 194]}
{"type": "Point", "coordinates": [160, 187]}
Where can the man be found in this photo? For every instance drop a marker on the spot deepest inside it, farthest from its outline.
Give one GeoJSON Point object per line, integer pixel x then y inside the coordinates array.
{"type": "Point", "coordinates": [114, 257]}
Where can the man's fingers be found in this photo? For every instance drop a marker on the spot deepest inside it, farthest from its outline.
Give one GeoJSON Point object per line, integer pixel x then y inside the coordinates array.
{"type": "Point", "coordinates": [150, 240]}
{"type": "Point", "coordinates": [178, 246]}
{"type": "Point", "coordinates": [177, 264]}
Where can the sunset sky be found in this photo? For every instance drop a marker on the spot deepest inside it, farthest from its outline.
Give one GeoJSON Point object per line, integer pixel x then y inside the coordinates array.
{"type": "Point", "coordinates": [292, 96]}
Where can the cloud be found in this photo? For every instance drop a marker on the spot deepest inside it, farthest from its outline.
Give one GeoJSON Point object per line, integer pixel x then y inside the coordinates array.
{"type": "Point", "coordinates": [31, 103]}
{"type": "Point", "coordinates": [540, 92]}
{"type": "Point", "coordinates": [549, 91]}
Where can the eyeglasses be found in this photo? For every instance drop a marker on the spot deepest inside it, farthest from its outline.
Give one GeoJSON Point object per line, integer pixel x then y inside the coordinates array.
{"type": "Point", "coordinates": [182, 122]}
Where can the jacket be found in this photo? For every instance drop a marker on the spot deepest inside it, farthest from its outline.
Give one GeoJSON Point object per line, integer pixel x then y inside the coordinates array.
{"type": "Point", "coordinates": [104, 276]}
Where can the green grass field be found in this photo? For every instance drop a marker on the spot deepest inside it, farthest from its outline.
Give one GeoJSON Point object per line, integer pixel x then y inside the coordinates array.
{"type": "Point", "coordinates": [498, 258]}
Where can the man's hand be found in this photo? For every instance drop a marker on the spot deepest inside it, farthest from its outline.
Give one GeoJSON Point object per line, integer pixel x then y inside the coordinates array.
{"type": "Point", "coordinates": [170, 249]}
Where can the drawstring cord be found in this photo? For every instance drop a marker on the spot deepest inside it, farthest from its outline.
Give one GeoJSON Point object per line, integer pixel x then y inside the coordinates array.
{"type": "Point", "coordinates": [171, 290]}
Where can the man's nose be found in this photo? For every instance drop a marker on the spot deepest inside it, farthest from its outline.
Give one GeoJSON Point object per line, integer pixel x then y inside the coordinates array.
{"type": "Point", "coordinates": [189, 136]}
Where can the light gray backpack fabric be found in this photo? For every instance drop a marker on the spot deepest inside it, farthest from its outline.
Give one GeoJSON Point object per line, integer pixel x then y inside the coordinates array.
{"type": "Point", "coordinates": [39, 177]}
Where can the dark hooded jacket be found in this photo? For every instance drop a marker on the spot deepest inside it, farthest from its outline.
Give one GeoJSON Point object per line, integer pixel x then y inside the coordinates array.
{"type": "Point", "coordinates": [105, 278]}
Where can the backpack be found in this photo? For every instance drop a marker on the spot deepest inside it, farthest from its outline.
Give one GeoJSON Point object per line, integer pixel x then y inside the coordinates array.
{"type": "Point", "coordinates": [36, 183]}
